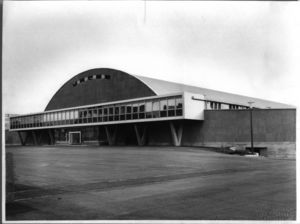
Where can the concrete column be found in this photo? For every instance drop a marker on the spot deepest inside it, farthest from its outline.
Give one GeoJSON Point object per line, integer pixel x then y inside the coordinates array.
{"type": "Point", "coordinates": [176, 134]}
{"type": "Point", "coordinates": [140, 134]}
{"type": "Point", "coordinates": [111, 134]}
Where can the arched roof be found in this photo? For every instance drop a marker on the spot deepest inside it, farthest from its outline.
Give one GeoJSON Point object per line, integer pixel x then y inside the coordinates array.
{"type": "Point", "coordinates": [98, 86]}
{"type": "Point", "coordinates": [106, 85]}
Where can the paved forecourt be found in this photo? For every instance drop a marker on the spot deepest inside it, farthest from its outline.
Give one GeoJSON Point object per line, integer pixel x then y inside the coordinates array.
{"type": "Point", "coordinates": [149, 183]}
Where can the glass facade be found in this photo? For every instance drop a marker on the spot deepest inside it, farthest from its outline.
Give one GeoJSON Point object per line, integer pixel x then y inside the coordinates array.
{"type": "Point", "coordinates": [143, 109]}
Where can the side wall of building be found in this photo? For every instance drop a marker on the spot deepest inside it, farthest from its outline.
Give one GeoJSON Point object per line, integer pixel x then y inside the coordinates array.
{"type": "Point", "coordinates": [272, 128]}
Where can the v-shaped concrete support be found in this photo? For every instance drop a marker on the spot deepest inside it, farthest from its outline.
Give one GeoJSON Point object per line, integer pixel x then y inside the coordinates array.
{"type": "Point", "coordinates": [141, 134]}
{"type": "Point", "coordinates": [176, 134]}
{"type": "Point", "coordinates": [23, 141]}
{"type": "Point", "coordinates": [111, 134]}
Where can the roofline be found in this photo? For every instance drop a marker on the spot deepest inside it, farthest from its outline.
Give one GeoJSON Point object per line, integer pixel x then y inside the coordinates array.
{"type": "Point", "coordinates": [209, 98]}
{"type": "Point", "coordinates": [138, 77]}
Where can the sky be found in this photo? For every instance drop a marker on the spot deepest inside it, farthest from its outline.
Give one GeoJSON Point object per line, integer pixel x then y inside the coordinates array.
{"type": "Point", "coordinates": [247, 48]}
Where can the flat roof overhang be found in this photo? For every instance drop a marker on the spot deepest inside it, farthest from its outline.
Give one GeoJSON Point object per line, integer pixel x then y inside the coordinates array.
{"type": "Point", "coordinates": [195, 112]}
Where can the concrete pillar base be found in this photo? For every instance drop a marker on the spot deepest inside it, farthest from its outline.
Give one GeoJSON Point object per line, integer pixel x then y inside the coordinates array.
{"type": "Point", "coordinates": [141, 134]}
{"type": "Point", "coordinates": [176, 134]}
{"type": "Point", "coordinates": [111, 134]}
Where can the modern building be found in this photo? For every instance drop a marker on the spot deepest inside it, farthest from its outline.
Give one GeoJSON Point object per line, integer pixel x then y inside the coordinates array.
{"type": "Point", "coordinates": [107, 106]}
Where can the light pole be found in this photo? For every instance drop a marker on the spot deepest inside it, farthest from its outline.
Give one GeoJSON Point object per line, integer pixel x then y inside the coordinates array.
{"type": "Point", "coordinates": [251, 125]}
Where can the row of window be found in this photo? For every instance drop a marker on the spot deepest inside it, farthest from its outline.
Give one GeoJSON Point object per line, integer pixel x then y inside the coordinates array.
{"type": "Point", "coordinates": [221, 106]}
{"type": "Point", "coordinates": [156, 108]}
{"type": "Point", "coordinates": [237, 107]}
{"type": "Point", "coordinates": [91, 77]}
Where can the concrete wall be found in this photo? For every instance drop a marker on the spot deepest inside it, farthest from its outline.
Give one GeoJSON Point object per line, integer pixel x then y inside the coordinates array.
{"type": "Point", "coordinates": [271, 125]}
{"type": "Point", "coordinates": [272, 128]}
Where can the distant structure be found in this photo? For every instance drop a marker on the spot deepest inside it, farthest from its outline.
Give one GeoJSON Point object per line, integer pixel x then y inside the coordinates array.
{"type": "Point", "coordinates": [10, 137]}
{"type": "Point", "coordinates": [107, 106]}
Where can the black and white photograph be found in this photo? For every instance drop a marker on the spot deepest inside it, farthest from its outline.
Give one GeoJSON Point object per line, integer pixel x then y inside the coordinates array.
{"type": "Point", "coordinates": [157, 111]}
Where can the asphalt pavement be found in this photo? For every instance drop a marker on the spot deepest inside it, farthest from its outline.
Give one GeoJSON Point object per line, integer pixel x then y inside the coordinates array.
{"type": "Point", "coordinates": [146, 183]}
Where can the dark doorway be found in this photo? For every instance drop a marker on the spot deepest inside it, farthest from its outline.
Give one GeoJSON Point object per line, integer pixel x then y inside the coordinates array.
{"type": "Point", "coordinates": [75, 138]}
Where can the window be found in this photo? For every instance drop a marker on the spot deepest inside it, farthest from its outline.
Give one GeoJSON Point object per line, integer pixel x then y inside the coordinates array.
{"type": "Point", "coordinates": [105, 111]}
{"type": "Point", "coordinates": [111, 114]}
{"type": "Point", "coordinates": [178, 106]}
{"type": "Point", "coordinates": [76, 114]}
{"type": "Point", "coordinates": [100, 114]}
{"type": "Point", "coordinates": [155, 109]}
{"type": "Point", "coordinates": [63, 115]}
{"type": "Point", "coordinates": [67, 117]}
{"type": "Point", "coordinates": [89, 115]}
{"type": "Point", "coordinates": [80, 116]}
{"type": "Point", "coordinates": [122, 112]}
{"type": "Point", "coordinates": [105, 114]}
{"type": "Point", "coordinates": [135, 108]}
{"type": "Point", "coordinates": [135, 111]}
{"type": "Point", "coordinates": [90, 77]}
{"type": "Point", "coordinates": [111, 111]}
{"type": "Point", "coordinates": [128, 111]}
{"type": "Point", "coordinates": [48, 119]}
{"type": "Point", "coordinates": [171, 104]}
{"type": "Point", "coordinates": [44, 118]}
{"type": "Point", "coordinates": [95, 115]}
{"type": "Point", "coordinates": [142, 110]}
{"type": "Point", "coordinates": [71, 113]}
{"type": "Point", "coordinates": [163, 108]}
{"type": "Point", "coordinates": [171, 107]}
{"type": "Point", "coordinates": [59, 116]}
{"type": "Point", "coordinates": [117, 112]}
{"type": "Point", "coordinates": [148, 109]}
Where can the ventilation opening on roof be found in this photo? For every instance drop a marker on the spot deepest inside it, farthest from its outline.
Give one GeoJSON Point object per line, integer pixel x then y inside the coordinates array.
{"type": "Point", "coordinates": [90, 77]}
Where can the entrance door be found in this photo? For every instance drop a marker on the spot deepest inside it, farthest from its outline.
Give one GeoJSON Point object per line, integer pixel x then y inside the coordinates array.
{"type": "Point", "coordinates": [75, 138]}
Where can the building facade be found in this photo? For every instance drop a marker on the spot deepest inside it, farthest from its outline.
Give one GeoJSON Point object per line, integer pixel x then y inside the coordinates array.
{"type": "Point", "coordinates": [107, 106]}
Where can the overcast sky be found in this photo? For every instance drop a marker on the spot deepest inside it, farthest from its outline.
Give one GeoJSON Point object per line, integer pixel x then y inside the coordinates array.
{"type": "Point", "coordinates": [248, 48]}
